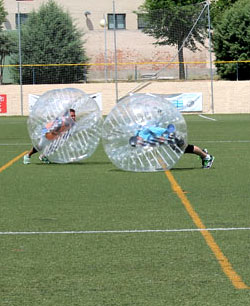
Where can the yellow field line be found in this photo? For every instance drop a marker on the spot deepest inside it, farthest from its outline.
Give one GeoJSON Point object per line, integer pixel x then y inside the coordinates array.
{"type": "Point", "coordinates": [223, 261]}
{"type": "Point", "coordinates": [225, 264]}
{"type": "Point", "coordinates": [12, 161]}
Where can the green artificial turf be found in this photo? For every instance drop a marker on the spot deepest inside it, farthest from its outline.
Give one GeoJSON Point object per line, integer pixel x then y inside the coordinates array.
{"type": "Point", "coordinates": [106, 262]}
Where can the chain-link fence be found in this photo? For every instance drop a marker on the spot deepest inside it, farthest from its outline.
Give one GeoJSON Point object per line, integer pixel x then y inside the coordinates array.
{"type": "Point", "coordinates": [162, 45]}
{"type": "Point", "coordinates": [133, 53]}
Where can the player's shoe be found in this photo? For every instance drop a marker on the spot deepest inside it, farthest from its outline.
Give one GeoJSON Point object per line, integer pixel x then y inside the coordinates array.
{"type": "Point", "coordinates": [26, 159]}
{"type": "Point", "coordinates": [202, 159]}
{"type": "Point", "coordinates": [207, 163]}
{"type": "Point", "coordinates": [44, 159]}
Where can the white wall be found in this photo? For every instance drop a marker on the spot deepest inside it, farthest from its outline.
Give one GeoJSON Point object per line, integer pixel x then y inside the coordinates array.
{"type": "Point", "coordinates": [229, 97]}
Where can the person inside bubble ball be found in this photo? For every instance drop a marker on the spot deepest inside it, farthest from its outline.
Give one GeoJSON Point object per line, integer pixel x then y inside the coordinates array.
{"type": "Point", "coordinates": [155, 135]}
{"type": "Point", "coordinates": [50, 132]}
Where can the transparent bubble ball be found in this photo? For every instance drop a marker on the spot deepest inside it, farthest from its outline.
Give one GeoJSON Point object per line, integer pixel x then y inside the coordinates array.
{"type": "Point", "coordinates": [129, 119]}
{"type": "Point", "coordinates": [59, 136]}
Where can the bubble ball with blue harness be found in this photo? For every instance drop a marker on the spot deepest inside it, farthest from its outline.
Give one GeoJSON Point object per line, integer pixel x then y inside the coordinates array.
{"type": "Point", "coordinates": [144, 133]}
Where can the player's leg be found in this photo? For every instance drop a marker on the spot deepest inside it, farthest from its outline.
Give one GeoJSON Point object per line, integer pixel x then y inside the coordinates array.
{"type": "Point", "coordinates": [26, 158]}
{"type": "Point", "coordinates": [44, 159]}
{"type": "Point", "coordinates": [207, 159]}
{"type": "Point", "coordinates": [42, 143]}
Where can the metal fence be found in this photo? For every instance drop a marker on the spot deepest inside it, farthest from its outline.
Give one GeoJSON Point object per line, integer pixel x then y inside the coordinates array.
{"type": "Point", "coordinates": [124, 52]}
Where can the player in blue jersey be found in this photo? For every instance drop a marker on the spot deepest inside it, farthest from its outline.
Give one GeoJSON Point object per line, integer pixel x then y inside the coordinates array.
{"type": "Point", "coordinates": [155, 135]}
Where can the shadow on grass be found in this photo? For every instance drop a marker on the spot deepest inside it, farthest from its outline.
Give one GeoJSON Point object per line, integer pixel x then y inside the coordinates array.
{"type": "Point", "coordinates": [186, 169]}
{"type": "Point", "coordinates": [73, 164]}
{"type": "Point", "coordinates": [173, 169]}
{"type": "Point", "coordinates": [93, 163]}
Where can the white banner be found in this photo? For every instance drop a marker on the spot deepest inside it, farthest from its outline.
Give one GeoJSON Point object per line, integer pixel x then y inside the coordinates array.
{"type": "Point", "coordinates": [98, 99]}
{"type": "Point", "coordinates": [32, 101]}
{"type": "Point", "coordinates": [185, 102]}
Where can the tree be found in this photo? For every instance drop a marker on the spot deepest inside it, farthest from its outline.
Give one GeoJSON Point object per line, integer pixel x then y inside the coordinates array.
{"type": "Point", "coordinates": [170, 22]}
{"type": "Point", "coordinates": [218, 7]}
{"type": "Point", "coordinates": [231, 39]}
{"type": "Point", "coordinates": [7, 47]}
{"type": "Point", "coordinates": [49, 37]}
{"type": "Point", "coordinates": [3, 14]}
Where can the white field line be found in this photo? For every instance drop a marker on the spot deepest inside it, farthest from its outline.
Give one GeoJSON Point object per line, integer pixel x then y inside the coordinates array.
{"type": "Point", "coordinates": [222, 141]}
{"type": "Point", "coordinates": [128, 231]}
{"type": "Point", "coordinates": [15, 144]}
{"type": "Point", "coordinates": [208, 118]}
{"type": "Point", "coordinates": [12, 122]}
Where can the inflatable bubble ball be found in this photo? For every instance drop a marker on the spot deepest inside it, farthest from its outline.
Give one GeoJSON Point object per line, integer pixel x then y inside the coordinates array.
{"type": "Point", "coordinates": [65, 125]}
{"type": "Point", "coordinates": [144, 133]}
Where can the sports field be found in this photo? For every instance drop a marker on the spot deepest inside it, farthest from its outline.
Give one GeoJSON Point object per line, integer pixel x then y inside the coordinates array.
{"type": "Point", "coordinates": [90, 234]}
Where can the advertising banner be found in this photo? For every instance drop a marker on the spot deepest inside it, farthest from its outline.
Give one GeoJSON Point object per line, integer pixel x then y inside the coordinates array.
{"type": "Point", "coordinates": [3, 103]}
{"type": "Point", "coordinates": [32, 100]}
{"type": "Point", "coordinates": [186, 102]}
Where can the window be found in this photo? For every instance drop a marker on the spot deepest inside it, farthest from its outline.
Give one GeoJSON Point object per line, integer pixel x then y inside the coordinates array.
{"type": "Point", "coordinates": [120, 21]}
{"type": "Point", "coordinates": [23, 18]}
{"type": "Point", "coordinates": [141, 21]}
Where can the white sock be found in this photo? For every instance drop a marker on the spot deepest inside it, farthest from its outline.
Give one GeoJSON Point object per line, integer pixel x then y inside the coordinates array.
{"type": "Point", "coordinates": [207, 157]}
